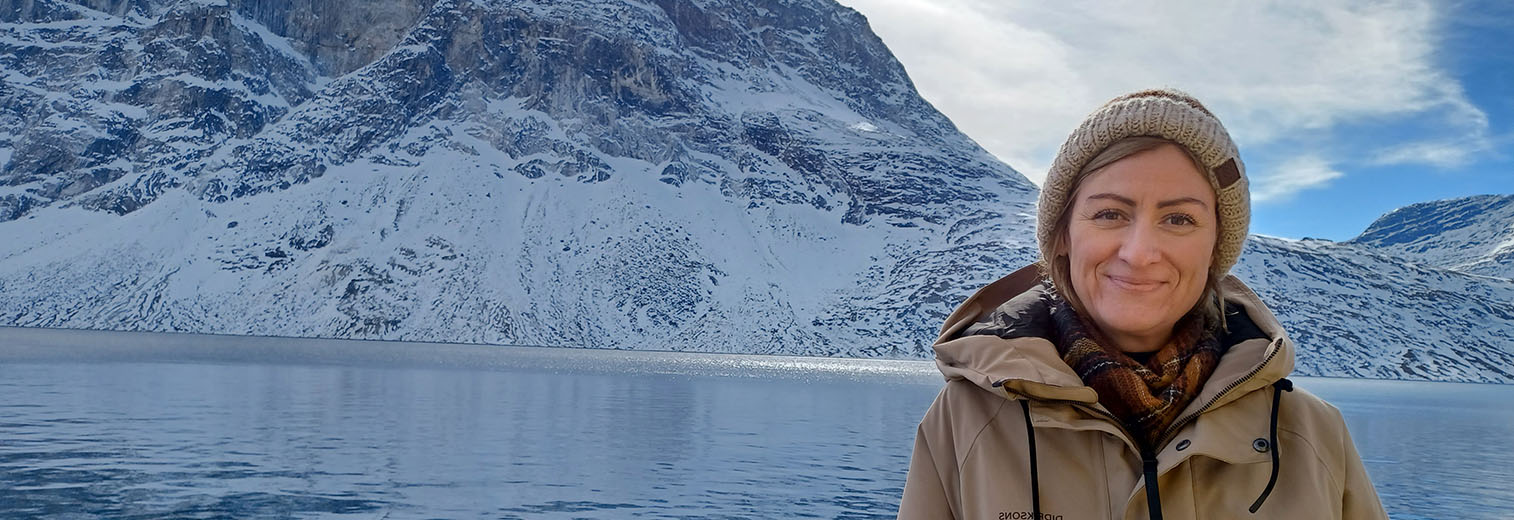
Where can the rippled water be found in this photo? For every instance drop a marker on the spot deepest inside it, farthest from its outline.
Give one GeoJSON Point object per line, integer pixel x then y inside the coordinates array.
{"type": "Point", "coordinates": [1433, 450]}
{"type": "Point", "coordinates": [294, 428]}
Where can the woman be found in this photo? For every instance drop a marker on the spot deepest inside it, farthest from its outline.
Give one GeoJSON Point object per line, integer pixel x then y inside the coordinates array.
{"type": "Point", "coordinates": [1126, 375]}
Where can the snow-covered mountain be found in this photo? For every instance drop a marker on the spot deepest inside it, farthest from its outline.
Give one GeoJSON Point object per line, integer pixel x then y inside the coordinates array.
{"type": "Point", "coordinates": [1472, 234]}
{"type": "Point", "coordinates": [1358, 313]}
{"type": "Point", "coordinates": [673, 174]}
{"type": "Point", "coordinates": [713, 175]}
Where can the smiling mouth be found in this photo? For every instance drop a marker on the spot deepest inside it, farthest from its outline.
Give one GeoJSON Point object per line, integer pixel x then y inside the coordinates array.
{"type": "Point", "coordinates": [1134, 284]}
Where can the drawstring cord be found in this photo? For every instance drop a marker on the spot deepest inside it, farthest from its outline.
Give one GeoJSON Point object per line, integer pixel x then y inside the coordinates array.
{"type": "Point", "coordinates": [1035, 475]}
{"type": "Point", "coordinates": [1278, 388]}
{"type": "Point", "coordinates": [1153, 495]}
{"type": "Point", "coordinates": [1149, 461]}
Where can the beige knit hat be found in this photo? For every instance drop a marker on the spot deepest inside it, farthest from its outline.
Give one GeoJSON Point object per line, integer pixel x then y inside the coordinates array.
{"type": "Point", "coordinates": [1171, 115]}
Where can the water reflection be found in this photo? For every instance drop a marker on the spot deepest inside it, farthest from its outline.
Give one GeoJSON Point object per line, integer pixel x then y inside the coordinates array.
{"type": "Point", "coordinates": [583, 434]}
{"type": "Point", "coordinates": [160, 439]}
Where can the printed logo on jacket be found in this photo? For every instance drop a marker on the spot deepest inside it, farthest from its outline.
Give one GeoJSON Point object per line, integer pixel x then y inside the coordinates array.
{"type": "Point", "coordinates": [1027, 515]}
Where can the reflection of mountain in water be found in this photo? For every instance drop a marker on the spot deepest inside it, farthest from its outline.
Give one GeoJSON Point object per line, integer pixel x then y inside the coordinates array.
{"type": "Point", "coordinates": [710, 175]}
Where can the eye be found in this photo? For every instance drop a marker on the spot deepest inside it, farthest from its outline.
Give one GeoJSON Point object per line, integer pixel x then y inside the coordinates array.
{"type": "Point", "coordinates": [1107, 214]}
{"type": "Point", "coordinates": [1179, 219]}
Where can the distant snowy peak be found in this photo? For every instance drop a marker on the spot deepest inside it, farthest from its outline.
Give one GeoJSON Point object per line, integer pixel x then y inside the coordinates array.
{"type": "Point", "coordinates": [1471, 234]}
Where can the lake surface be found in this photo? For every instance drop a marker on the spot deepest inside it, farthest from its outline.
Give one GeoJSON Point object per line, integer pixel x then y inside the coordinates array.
{"type": "Point", "coordinates": [127, 425]}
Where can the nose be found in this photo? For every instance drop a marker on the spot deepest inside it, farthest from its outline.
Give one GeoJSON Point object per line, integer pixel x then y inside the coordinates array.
{"type": "Point", "coordinates": [1140, 246]}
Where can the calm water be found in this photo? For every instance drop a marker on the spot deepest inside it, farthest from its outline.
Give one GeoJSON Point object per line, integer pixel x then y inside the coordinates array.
{"type": "Point", "coordinates": [301, 429]}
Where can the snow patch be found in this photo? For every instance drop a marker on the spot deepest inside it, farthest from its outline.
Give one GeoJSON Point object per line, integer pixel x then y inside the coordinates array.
{"type": "Point", "coordinates": [864, 126]}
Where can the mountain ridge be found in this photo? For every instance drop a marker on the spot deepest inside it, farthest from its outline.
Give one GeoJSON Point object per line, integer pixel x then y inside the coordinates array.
{"type": "Point", "coordinates": [1470, 234]}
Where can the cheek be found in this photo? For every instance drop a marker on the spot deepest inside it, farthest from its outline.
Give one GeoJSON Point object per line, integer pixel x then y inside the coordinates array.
{"type": "Point", "coordinates": [1200, 254]}
{"type": "Point", "coordinates": [1195, 269]}
{"type": "Point", "coordinates": [1085, 251]}
{"type": "Point", "coordinates": [1091, 245]}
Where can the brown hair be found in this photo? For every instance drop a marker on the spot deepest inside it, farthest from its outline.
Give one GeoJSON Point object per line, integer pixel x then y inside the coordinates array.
{"type": "Point", "coordinates": [1056, 269]}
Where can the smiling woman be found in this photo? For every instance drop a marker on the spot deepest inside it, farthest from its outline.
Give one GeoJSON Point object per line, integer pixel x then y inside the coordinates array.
{"type": "Point", "coordinates": [1127, 371]}
{"type": "Point", "coordinates": [1139, 238]}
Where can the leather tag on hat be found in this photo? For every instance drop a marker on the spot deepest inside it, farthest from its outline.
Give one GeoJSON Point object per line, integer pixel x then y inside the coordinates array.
{"type": "Point", "coordinates": [1226, 173]}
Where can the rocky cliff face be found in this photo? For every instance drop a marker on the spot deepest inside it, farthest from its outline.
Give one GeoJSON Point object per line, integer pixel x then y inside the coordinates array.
{"type": "Point", "coordinates": [135, 97]}
{"type": "Point", "coordinates": [671, 174]}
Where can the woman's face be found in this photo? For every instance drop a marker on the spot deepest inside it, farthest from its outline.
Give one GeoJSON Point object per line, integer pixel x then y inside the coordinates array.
{"type": "Point", "coordinates": [1139, 243]}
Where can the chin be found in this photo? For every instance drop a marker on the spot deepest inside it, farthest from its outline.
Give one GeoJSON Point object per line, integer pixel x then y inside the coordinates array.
{"type": "Point", "coordinates": [1133, 325]}
{"type": "Point", "coordinates": [1133, 319]}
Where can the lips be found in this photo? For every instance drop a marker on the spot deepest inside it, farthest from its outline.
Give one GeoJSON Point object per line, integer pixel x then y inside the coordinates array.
{"type": "Point", "coordinates": [1134, 284]}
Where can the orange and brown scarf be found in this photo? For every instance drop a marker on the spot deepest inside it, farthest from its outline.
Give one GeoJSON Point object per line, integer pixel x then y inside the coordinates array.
{"type": "Point", "coordinates": [1146, 397]}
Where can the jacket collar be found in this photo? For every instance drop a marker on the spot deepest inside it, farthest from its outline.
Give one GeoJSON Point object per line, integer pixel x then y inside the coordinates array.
{"type": "Point", "coordinates": [1022, 359]}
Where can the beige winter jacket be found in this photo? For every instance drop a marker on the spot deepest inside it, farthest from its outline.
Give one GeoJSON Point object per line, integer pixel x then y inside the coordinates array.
{"type": "Point", "coordinates": [973, 453]}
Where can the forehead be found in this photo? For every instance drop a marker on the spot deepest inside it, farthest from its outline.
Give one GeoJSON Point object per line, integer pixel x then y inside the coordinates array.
{"type": "Point", "coordinates": [1161, 173]}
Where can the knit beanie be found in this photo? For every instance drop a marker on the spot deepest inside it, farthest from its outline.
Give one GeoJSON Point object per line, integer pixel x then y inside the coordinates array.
{"type": "Point", "coordinates": [1171, 115]}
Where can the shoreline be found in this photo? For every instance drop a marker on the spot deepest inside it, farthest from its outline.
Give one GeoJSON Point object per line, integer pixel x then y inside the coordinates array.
{"type": "Point", "coordinates": [47, 344]}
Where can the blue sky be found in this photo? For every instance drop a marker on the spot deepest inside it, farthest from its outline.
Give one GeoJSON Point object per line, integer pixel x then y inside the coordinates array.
{"type": "Point", "coordinates": [1343, 110]}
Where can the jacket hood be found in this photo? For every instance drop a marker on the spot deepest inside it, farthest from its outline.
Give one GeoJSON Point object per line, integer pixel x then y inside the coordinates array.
{"type": "Point", "coordinates": [1002, 339]}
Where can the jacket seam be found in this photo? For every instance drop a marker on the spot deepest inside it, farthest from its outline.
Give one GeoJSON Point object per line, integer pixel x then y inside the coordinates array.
{"type": "Point", "coordinates": [973, 444]}
{"type": "Point", "coordinates": [1109, 495]}
{"type": "Point", "coordinates": [1317, 457]}
{"type": "Point", "coordinates": [950, 504]}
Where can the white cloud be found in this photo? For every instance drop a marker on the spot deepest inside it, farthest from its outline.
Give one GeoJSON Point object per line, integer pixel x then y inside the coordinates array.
{"type": "Point", "coordinates": [1298, 174]}
{"type": "Point", "coordinates": [1018, 76]}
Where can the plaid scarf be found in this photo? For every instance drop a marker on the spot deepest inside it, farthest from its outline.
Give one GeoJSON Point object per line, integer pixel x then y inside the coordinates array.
{"type": "Point", "coordinates": [1147, 397]}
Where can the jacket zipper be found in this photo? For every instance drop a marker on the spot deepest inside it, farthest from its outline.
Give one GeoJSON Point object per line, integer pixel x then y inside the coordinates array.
{"type": "Point", "coordinates": [1171, 430]}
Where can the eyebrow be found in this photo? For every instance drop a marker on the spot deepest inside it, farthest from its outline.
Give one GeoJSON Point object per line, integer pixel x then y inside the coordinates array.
{"type": "Point", "coordinates": [1163, 204]}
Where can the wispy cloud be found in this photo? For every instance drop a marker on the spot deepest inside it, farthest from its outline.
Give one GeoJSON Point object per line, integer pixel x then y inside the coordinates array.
{"type": "Point", "coordinates": [1289, 178]}
{"type": "Point", "coordinates": [1017, 76]}
{"type": "Point", "coordinates": [1440, 154]}
{"type": "Point", "coordinates": [1464, 135]}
